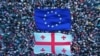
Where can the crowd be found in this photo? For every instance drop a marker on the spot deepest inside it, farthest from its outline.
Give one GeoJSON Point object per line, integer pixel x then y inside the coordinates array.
{"type": "Point", "coordinates": [17, 26]}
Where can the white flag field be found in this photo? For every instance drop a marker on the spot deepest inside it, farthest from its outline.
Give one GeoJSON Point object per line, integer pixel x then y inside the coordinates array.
{"type": "Point", "coordinates": [56, 43]}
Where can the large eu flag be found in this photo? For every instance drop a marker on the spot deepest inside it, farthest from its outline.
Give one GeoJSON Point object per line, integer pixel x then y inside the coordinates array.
{"type": "Point", "coordinates": [53, 19]}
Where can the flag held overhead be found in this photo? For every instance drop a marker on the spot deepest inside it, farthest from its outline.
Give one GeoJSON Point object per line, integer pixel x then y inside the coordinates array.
{"type": "Point", "coordinates": [52, 43]}
{"type": "Point", "coordinates": [52, 19]}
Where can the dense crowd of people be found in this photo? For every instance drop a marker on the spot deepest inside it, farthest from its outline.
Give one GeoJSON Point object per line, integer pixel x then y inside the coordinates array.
{"type": "Point", "coordinates": [17, 26]}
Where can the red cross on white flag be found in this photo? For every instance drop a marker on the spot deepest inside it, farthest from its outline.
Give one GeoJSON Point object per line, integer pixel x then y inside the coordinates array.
{"type": "Point", "coordinates": [52, 43]}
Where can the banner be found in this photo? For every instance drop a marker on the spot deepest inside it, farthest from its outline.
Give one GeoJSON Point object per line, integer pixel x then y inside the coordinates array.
{"type": "Point", "coordinates": [52, 19]}
{"type": "Point", "coordinates": [52, 43]}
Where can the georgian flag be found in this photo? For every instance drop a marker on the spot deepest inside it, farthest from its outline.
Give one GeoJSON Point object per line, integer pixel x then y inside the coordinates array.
{"type": "Point", "coordinates": [52, 43]}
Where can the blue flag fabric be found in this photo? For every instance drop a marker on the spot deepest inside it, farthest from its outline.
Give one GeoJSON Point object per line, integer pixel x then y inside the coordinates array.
{"type": "Point", "coordinates": [52, 19]}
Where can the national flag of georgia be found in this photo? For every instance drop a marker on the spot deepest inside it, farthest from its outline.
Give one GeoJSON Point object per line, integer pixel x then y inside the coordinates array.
{"type": "Point", "coordinates": [52, 43]}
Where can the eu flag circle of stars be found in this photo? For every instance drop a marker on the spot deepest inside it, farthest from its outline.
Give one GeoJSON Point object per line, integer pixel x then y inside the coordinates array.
{"type": "Point", "coordinates": [53, 12]}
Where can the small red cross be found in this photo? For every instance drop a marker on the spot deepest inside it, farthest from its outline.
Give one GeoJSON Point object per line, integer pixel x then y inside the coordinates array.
{"type": "Point", "coordinates": [42, 37]}
{"type": "Point", "coordinates": [63, 37]}
{"type": "Point", "coordinates": [42, 49]}
{"type": "Point", "coordinates": [64, 50]}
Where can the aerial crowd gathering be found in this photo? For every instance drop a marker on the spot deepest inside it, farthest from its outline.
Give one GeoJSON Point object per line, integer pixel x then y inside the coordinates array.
{"type": "Point", "coordinates": [17, 26]}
